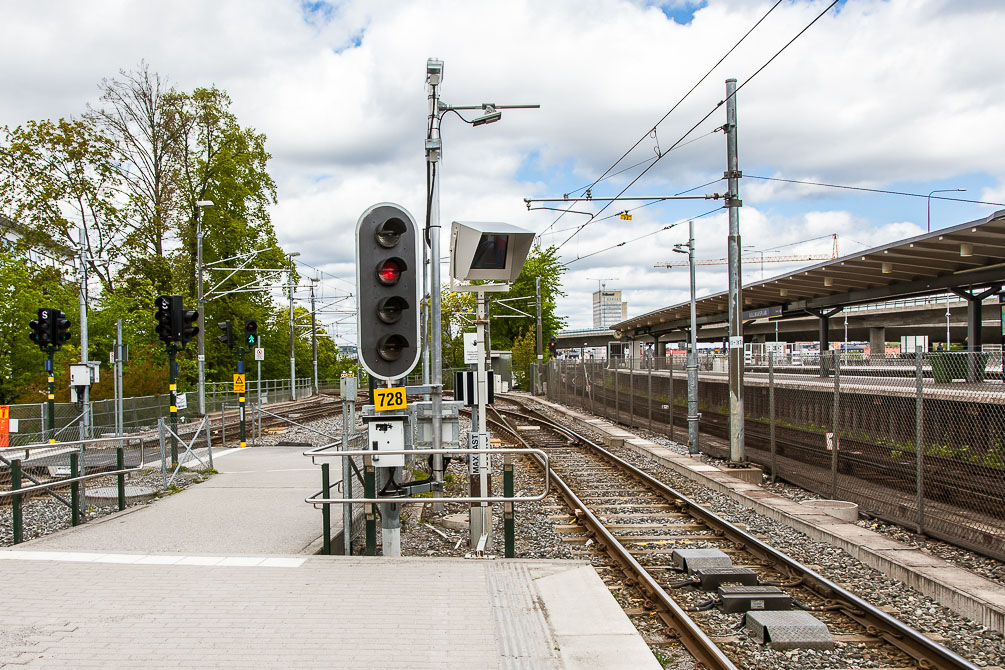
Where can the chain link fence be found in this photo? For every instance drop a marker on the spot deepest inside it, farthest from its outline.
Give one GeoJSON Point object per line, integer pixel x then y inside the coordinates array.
{"type": "Point", "coordinates": [917, 439]}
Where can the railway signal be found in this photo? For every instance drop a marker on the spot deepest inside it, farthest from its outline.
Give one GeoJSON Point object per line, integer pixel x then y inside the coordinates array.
{"type": "Point", "coordinates": [553, 347]}
{"type": "Point", "coordinates": [165, 318]}
{"type": "Point", "coordinates": [60, 328]}
{"type": "Point", "coordinates": [251, 333]}
{"type": "Point", "coordinates": [41, 334]}
{"type": "Point", "coordinates": [188, 328]}
{"type": "Point", "coordinates": [388, 284]}
{"type": "Point", "coordinates": [228, 334]}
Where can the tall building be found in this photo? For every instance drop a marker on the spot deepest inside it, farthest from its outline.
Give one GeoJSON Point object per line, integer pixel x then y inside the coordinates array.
{"type": "Point", "coordinates": [608, 308]}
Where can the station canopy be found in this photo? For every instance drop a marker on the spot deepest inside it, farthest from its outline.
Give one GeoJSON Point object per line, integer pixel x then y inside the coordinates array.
{"type": "Point", "coordinates": [967, 256]}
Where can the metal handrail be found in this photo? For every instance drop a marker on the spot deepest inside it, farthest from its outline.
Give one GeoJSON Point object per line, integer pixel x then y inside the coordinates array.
{"type": "Point", "coordinates": [63, 482]}
{"type": "Point", "coordinates": [51, 445]}
{"type": "Point", "coordinates": [314, 500]}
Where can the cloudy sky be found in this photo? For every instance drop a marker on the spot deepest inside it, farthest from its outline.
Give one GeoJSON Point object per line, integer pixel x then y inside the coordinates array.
{"type": "Point", "coordinates": [904, 95]}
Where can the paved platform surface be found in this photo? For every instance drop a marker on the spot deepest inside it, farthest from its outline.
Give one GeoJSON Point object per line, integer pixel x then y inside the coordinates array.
{"type": "Point", "coordinates": [969, 594]}
{"type": "Point", "coordinates": [217, 577]}
{"type": "Point", "coordinates": [87, 610]}
{"type": "Point", "coordinates": [254, 506]}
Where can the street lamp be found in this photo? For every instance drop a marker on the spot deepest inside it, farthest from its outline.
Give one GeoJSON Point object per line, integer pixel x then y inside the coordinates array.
{"type": "Point", "coordinates": [940, 190]}
{"type": "Point", "coordinates": [199, 206]}
{"type": "Point", "coordinates": [293, 360]}
{"type": "Point", "coordinates": [433, 145]}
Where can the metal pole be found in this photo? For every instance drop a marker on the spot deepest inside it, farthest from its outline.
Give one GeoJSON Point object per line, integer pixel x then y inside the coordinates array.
{"type": "Point", "coordinates": [173, 407]}
{"type": "Point", "coordinates": [370, 491]}
{"type": "Point", "coordinates": [509, 522]}
{"type": "Point", "coordinates": [15, 484]}
{"type": "Point", "coordinates": [85, 426]}
{"type": "Point", "coordinates": [835, 424]}
{"type": "Point", "coordinates": [52, 395]}
{"type": "Point", "coordinates": [314, 340]}
{"type": "Point", "coordinates": [736, 448]}
{"type": "Point", "coordinates": [241, 395]}
{"type": "Point", "coordinates": [480, 521]}
{"type": "Point", "coordinates": [919, 435]}
{"type": "Point", "coordinates": [293, 360]}
{"type": "Point", "coordinates": [692, 357]}
{"type": "Point", "coordinates": [348, 426]}
{"type": "Point", "coordinates": [433, 165]}
{"type": "Point", "coordinates": [202, 308]}
{"type": "Point", "coordinates": [540, 336]}
{"type": "Point", "coordinates": [120, 354]}
{"type": "Point", "coordinates": [771, 415]}
{"type": "Point", "coordinates": [326, 522]}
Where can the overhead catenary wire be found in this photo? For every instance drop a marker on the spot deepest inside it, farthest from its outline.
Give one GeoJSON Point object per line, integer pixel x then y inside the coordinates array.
{"type": "Point", "coordinates": [652, 130]}
{"type": "Point", "coordinates": [874, 190]}
{"type": "Point", "coordinates": [710, 112]}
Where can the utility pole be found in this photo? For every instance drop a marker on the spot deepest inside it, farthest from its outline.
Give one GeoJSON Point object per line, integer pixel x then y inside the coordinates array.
{"type": "Point", "coordinates": [736, 450]}
{"type": "Point", "coordinates": [434, 78]}
{"type": "Point", "coordinates": [692, 352]}
{"type": "Point", "coordinates": [540, 341]}
{"type": "Point", "coordinates": [201, 301]}
{"type": "Point", "coordinates": [314, 339]}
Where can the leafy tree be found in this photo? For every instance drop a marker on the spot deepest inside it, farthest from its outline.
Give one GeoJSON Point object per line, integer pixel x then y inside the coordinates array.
{"type": "Point", "coordinates": [541, 263]}
{"type": "Point", "coordinates": [27, 285]}
{"type": "Point", "coordinates": [60, 177]}
{"type": "Point", "coordinates": [524, 353]}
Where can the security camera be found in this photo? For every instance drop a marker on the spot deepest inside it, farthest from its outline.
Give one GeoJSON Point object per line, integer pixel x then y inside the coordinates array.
{"type": "Point", "coordinates": [434, 71]}
{"type": "Point", "coordinates": [488, 251]}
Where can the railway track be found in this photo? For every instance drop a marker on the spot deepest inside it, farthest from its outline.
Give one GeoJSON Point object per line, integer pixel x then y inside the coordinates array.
{"type": "Point", "coordinates": [647, 530]}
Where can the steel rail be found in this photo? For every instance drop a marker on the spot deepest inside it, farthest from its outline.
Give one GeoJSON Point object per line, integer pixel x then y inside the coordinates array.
{"type": "Point", "coordinates": [927, 652]}
{"type": "Point", "coordinates": [706, 653]}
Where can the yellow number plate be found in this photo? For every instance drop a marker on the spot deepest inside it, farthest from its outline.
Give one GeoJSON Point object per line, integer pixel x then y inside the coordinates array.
{"type": "Point", "coordinates": [238, 383]}
{"type": "Point", "coordinates": [386, 399]}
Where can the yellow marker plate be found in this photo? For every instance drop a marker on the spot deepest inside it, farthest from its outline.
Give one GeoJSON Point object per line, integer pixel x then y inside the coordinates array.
{"type": "Point", "coordinates": [387, 399]}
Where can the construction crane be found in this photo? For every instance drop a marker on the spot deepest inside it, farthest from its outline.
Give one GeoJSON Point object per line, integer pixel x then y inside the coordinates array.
{"type": "Point", "coordinates": [773, 259]}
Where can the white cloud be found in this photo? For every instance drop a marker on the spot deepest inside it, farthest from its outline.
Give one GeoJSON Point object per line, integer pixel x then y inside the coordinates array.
{"type": "Point", "coordinates": [875, 93]}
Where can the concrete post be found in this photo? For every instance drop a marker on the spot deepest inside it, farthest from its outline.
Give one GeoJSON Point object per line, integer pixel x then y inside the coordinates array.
{"type": "Point", "coordinates": [736, 414]}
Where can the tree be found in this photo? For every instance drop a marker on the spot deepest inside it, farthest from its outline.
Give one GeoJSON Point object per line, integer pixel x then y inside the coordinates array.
{"type": "Point", "coordinates": [524, 353]}
{"type": "Point", "coordinates": [135, 114]}
{"type": "Point", "coordinates": [27, 285]}
{"type": "Point", "coordinates": [541, 263]}
{"type": "Point", "coordinates": [60, 178]}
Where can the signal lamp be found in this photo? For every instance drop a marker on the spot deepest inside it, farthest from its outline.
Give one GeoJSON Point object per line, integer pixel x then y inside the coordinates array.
{"type": "Point", "coordinates": [391, 347]}
{"type": "Point", "coordinates": [389, 271]}
{"type": "Point", "coordinates": [389, 310]}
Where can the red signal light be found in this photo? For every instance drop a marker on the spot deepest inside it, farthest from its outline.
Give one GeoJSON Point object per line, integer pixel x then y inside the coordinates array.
{"type": "Point", "coordinates": [389, 271]}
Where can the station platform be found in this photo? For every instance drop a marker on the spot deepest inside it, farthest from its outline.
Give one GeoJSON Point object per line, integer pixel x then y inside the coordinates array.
{"type": "Point", "coordinates": [223, 575]}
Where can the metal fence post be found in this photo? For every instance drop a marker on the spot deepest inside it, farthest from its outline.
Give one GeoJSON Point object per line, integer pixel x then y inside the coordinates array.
{"type": "Point", "coordinates": [631, 395]}
{"type": "Point", "coordinates": [670, 366]}
{"type": "Point", "coordinates": [74, 491]}
{"type": "Point", "coordinates": [509, 522]}
{"type": "Point", "coordinates": [617, 396]}
{"type": "Point", "coordinates": [326, 519]}
{"type": "Point", "coordinates": [15, 484]}
{"type": "Point", "coordinates": [369, 512]}
{"type": "Point", "coordinates": [919, 435]}
{"type": "Point", "coordinates": [160, 436]}
{"type": "Point", "coordinates": [120, 464]}
{"type": "Point", "coordinates": [650, 402]}
{"type": "Point", "coordinates": [771, 415]}
{"type": "Point", "coordinates": [835, 443]}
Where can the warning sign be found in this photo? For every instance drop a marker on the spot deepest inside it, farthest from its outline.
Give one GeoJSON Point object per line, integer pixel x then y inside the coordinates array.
{"type": "Point", "coordinates": [238, 383]}
{"type": "Point", "coordinates": [4, 425]}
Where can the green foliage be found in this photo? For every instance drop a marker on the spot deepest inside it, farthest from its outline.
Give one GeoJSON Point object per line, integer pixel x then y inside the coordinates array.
{"type": "Point", "coordinates": [524, 353]}
{"type": "Point", "coordinates": [541, 263]}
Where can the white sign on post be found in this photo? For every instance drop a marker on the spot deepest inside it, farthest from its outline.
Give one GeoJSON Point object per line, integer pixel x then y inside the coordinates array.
{"type": "Point", "coordinates": [181, 401]}
{"type": "Point", "coordinates": [470, 347]}
{"type": "Point", "coordinates": [259, 354]}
